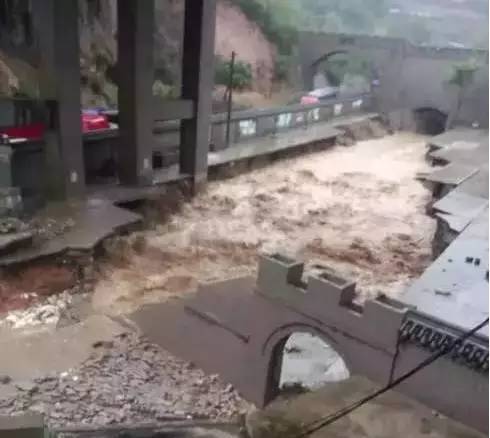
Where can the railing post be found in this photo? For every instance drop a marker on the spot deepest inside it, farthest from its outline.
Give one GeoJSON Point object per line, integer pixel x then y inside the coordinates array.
{"type": "Point", "coordinates": [229, 105]}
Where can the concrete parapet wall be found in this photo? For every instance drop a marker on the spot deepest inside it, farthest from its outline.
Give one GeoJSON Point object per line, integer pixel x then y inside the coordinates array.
{"type": "Point", "coordinates": [22, 426]}
{"type": "Point", "coordinates": [238, 329]}
{"type": "Point", "coordinates": [328, 297]}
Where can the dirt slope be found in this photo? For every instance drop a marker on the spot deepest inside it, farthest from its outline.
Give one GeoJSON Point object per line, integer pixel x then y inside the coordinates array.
{"type": "Point", "coordinates": [234, 32]}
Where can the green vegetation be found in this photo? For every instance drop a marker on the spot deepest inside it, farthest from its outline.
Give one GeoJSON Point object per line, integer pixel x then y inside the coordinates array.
{"type": "Point", "coordinates": [345, 16]}
{"type": "Point", "coordinates": [416, 30]}
{"type": "Point", "coordinates": [276, 19]}
{"type": "Point", "coordinates": [165, 91]}
{"type": "Point", "coordinates": [282, 67]}
{"type": "Point", "coordinates": [280, 20]}
{"type": "Point", "coordinates": [462, 77]}
{"type": "Point", "coordinates": [462, 74]}
{"type": "Point", "coordinates": [242, 77]}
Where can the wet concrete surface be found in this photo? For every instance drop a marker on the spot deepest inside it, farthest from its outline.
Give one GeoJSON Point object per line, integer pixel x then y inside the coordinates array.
{"type": "Point", "coordinates": [455, 287]}
{"type": "Point", "coordinates": [92, 221]}
{"type": "Point", "coordinates": [184, 429]}
{"type": "Point", "coordinates": [12, 241]}
{"type": "Point", "coordinates": [27, 354]}
{"type": "Point", "coordinates": [388, 416]}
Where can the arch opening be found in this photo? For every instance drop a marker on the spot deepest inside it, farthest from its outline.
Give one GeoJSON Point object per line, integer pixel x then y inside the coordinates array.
{"type": "Point", "coordinates": [429, 121]}
{"type": "Point", "coordinates": [302, 361]}
{"type": "Point", "coordinates": [344, 73]}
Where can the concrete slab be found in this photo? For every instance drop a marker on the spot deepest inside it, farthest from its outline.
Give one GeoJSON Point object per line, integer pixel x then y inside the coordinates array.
{"type": "Point", "coordinates": [460, 205]}
{"type": "Point", "coordinates": [455, 223]}
{"type": "Point", "coordinates": [464, 139]}
{"type": "Point", "coordinates": [475, 185]}
{"type": "Point", "coordinates": [454, 289]}
{"type": "Point", "coordinates": [22, 426]}
{"type": "Point", "coordinates": [119, 194]}
{"type": "Point", "coordinates": [13, 241]}
{"type": "Point", "coordinates": [29, 355]}
{"type": "Point", "coordinates": [388, 416]}
{"type": "Point", "coordinates": [93, 221]}
{"type": "Point", "coordinates": [181, 429]}
{"type": "Point", "coordinates": [453, 174]}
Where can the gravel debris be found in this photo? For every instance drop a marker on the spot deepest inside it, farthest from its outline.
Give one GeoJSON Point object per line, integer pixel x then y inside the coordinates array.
{"type": "Point", "coordinates": [47, 312]}
{"type": "Point", "coordinates": [131, 381]}
{"type": "Point", "coordinates": [47, 228]}
{"type": "Point", "coordinates": [11, 225]}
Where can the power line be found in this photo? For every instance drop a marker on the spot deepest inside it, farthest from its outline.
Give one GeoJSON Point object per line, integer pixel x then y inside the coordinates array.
{"type": "Point", "coordinates": [329, 419]}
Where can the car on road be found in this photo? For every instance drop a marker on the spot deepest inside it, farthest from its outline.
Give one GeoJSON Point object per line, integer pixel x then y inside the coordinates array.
{"type": "Point", "coordinates": [319, 95]}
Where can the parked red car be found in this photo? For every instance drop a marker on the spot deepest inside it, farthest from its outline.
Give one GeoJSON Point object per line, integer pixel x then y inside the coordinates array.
{"type": "Point", "coordinates": [92, 120]}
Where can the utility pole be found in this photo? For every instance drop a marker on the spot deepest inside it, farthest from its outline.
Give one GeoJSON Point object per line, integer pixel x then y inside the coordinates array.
{"type": "Point", "coordinates": [230, 98]}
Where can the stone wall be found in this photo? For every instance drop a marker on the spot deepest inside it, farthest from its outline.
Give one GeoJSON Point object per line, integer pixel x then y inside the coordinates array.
{"type": "Point", "coordinates": [410, 77]}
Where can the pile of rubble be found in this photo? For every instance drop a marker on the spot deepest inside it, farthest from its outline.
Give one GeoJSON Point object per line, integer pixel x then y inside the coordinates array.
{"type": "Point", "coordinates": [46, 312]}
{"type": "Point", "coordinates": [127, 380]}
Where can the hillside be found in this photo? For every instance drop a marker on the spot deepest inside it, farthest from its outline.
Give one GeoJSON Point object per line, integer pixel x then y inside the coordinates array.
{"type": "Point", "coordinates": [431, 22]}
{"type": "Point", "coordinates": [263, 33]}
{"type": "Point", "coordinates": [98, 50]}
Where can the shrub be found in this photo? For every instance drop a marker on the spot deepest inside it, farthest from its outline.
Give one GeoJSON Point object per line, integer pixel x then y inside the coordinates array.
{"type": "Point", "coordinates": [242, 75]}
{"type": "Point", "coordinates": [282, 67]}
{"type": "Point", "coordinates": [165, 91]}
{"type": "Point", "coordinates": [280, 32]}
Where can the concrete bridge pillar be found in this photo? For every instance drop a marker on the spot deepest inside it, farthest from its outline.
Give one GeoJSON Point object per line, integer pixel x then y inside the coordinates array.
{"type": "Point", "coordinates": [135, 90]}
{"type": "Point", "coordinates": [197, 85]}
{"type": "Point", "coordinates": [56, 31]}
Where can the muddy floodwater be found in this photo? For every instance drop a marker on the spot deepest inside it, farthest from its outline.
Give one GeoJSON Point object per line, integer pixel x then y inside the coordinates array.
{"type": "Point", "coordinates": [358, 209]}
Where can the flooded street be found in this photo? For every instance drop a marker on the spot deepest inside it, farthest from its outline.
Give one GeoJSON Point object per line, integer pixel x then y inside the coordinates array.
{"type": "Point", "coordinates": [359, 210]}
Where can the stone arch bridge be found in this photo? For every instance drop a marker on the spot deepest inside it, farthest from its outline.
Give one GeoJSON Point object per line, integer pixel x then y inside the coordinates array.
{"type": "Point", "coordinates": [238, 329]}
{"type": "Point", "coordinates": [410, 77]}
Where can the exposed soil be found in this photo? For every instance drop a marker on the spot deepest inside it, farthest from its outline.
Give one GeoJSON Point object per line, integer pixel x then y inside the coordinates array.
{"type": "Point", "coordinates": [359, 210]}
{"type": "Point", "coordinates": [25, 285]}
{"type": "Point", "coordinates": [232, 28]}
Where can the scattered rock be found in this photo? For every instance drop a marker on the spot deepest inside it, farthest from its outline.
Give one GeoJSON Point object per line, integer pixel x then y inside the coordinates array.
{"type": "Point", "coordinates": [5, 380]}
{"type": "Point", "coordinates": [103, 344]}
{"type": "Point", "coordinates": [27, 386]}
{"type": "Point", "coordinates": [11, 225]}
{"type": "Point", "coordinates": [48, 311]}
{"type": "Point", "coordinates": [128, 380]}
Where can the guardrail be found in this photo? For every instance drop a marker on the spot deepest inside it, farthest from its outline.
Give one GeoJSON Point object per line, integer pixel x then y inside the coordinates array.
{"type": "Point", "coordinates": [246, 125]}
{"type": "Point", "coordinates": [24, 168]}
{"type": "Point", "coordinates": [249, 124]}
